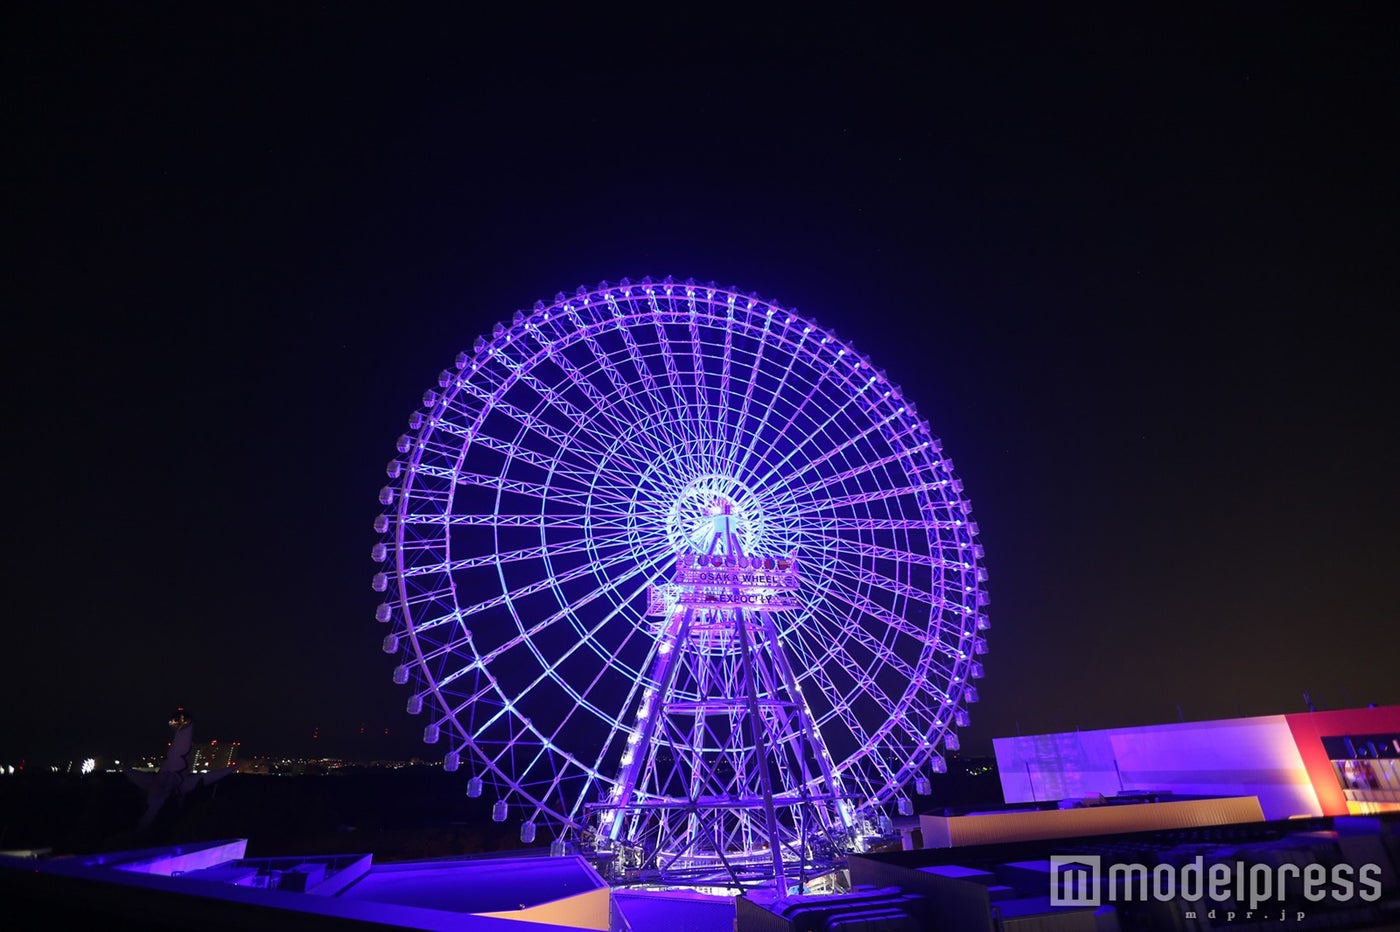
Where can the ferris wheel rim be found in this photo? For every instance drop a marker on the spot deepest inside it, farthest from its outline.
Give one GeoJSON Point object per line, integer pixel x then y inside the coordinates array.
{"type": "Point", "coordinates": [850, 514]}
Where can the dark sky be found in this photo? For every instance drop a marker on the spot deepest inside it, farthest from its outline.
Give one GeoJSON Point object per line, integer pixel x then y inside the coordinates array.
{"type": "Point", "coordinates": [1138, 269]}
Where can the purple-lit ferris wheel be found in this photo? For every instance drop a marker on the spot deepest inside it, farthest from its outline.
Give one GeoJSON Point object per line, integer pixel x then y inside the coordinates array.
{"type": "Point", "coordinates": [679, 577]}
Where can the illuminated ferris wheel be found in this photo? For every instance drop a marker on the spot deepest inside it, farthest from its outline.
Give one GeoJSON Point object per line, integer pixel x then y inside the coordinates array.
{"type": "Point", "coordinates": [679, 577]}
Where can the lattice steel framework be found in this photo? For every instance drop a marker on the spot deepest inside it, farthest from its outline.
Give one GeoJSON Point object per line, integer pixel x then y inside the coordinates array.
{"type": "Point", "coordinates": [547, 502]}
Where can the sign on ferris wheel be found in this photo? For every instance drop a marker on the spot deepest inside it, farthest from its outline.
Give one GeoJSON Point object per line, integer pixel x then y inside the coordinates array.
{"type": "Point", "coordinates": [720, 581]}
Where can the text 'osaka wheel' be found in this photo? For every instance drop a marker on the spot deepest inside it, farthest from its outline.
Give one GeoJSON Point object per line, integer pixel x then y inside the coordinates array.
{"type": "Point", "coordinates": [678, 576]}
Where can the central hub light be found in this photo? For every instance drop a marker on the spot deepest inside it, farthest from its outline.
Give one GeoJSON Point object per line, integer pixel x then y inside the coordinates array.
{"type": "Point", "coordinates": [691, 522]}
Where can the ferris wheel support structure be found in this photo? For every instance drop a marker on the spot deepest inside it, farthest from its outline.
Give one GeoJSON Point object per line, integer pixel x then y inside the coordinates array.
{"type": "Point", "coordinates": [749, 784]}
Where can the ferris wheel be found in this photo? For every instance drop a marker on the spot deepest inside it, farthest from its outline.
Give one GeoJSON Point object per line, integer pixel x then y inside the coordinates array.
{"type": "Point", "coordinates": [676, 574]}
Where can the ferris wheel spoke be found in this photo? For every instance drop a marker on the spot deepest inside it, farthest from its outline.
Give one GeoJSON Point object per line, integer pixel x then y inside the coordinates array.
{"type": "Point", "coordinates": [572, 443]}
{"type": "Point", "coordinates": [506, 557]}
{"type": "Point", "coordinates": [879, 651]}
{"type": "Point", "coordinates": [615, 725]}
{"type": "Point", "coordinates": [747, 453]}
{"type": "Point", "coordinates": [580, 470]}
{"type": "Point", "coordinates": [725, 373]}
{"type": "Point", "coordinates": [699, 359]}
{"type": "Point", "coordinates": [601, 410]}
{"type": "Point", "coordinates": [617, 729]}
{"type": "Point", "coordinates": [877, 495]}
{"type": "Point", "coordinates": [444, 650]}
{"type": "Point", "coordinates": [810, 434]}
{"type": "Point", "coordinates": [839, 700]}
{"type": "Point", "coordinates": [500, 483]}
{"type": "Point", "coordinates": [876, 426]}
{"type": "Point", "coordinates": [630, 452]}
{"type": "Point", "coordinates": [632, 447]}
{"type": "Point", "coordinates": [490, 403]}
{"type": "Point", "coordinates": [668, 362]}
{"type": "Point", "coordinates": [548, 673]}
{"type": "Point", "coordinates": [847, 524]}
{"type": "Point", "coordinates": [861, 682]}
{"type": "Point", "coordinates": [865, 580]}
{"type": "Point", "coordinates": [899, 455]}
{"type": "Point", "coordinates": [859, 548]}
{"type": "Point", "coordinates": [543, 584]}
{"type": "Point", "coordinates": [572, 522]}
{"type": "Point", "coordinates": [895, 622]}
{"type": "Point", "coordinates": [548, 461]}
{"type": "Point", "coordinates": [529, 489]}
{"type": "Point", "coordinates": [650, 392]}
{"type": "Point", "coordinates": [524, 636]}
{"type": "Point", "coordinates": [742, 418]}
{"type": "Point", "coordinates": [523, 554]}
{"type": "Point", "coordinates": [623, 395]}
{"type": "Point", "coordinates": [523, 454]}
{"type": "Point", "coordinates": [624, 462]}
{"type": "Point", "coordinates": [584, 465]}
{"type": "Point", "coordinates": [690, 417]}
{"type": "Point", "coordinates": [880, 654]}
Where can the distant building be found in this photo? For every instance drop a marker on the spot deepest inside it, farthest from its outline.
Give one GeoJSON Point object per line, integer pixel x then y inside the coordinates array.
{"type": "Point", "coordinates": [1306, 764]}
{"type": "Point", "coordinates": [214, 756]}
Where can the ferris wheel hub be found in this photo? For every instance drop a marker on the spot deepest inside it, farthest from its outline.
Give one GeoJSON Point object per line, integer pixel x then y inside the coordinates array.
{"type": "Point", "coordinates": [690, 521]}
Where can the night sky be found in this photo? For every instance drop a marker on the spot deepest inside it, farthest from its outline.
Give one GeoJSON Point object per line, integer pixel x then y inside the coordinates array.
{"type": "Point", "coordinates": [1138, 269]}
